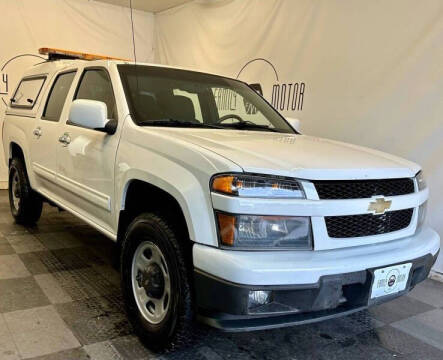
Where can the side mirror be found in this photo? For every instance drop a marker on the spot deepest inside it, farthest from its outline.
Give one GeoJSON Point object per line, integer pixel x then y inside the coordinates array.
{"type": "Point", "coordinates": [295, 124]}
{"type": "Point", "coordinates": [91, 114]}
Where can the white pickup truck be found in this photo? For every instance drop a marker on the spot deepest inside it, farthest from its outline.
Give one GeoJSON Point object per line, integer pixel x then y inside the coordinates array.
{"type": "Point", "coordinates": [222, 210]}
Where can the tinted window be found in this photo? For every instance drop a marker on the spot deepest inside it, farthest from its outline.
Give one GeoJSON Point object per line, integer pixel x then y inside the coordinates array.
{"type": "Point", "coordinates": [195, 102]}
{"type": "Point", "coordinates": [96, 85]}
{"type": "Point", "coordinates": [57, 96]}
{"type": "Point", "coordinates": [157, 94]}
{"type": "Point", "coordinates": [27, 92]}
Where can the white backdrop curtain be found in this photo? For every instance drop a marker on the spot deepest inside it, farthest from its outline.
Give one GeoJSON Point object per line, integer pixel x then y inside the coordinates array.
{"type": "Point", "coordinates": [82, 25]}
{"type": "Point", "coordinates": [372, 70]}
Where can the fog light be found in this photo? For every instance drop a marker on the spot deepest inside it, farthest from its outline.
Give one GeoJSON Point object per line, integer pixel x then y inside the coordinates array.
{"type": "Point", "coordinates": [258, 298]}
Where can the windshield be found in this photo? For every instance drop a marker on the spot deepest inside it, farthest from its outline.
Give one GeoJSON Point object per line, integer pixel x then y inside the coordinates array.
{"type": "Point", "coordinates": [171, 97]}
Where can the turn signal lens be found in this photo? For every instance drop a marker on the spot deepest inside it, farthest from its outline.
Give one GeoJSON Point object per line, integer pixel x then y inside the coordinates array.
{"type": "Point", "coordinates": [223, 184]}
{"type": "Point", "coordinates": [260, 186]}
{"type": "Point", "coordinates": [261, 232]}
{"type": "Point", "coordinates": [226, 225]}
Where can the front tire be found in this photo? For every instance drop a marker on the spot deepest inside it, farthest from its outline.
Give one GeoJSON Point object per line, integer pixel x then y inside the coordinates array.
{"type": "Point", "coordinates": [155, 283]}
{"type": "Point", "coordinates": [26, 205]}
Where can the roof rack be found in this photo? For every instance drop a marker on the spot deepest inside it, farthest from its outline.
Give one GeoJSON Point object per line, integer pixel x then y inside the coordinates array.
{"type": "Point", "coordinates": [59, 54]}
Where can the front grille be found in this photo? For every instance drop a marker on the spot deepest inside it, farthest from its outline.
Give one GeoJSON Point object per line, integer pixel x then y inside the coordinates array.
{"type": "Point", "coordinates": [367, 224]}
{"type": "Point", "coordinates": [361, 189]}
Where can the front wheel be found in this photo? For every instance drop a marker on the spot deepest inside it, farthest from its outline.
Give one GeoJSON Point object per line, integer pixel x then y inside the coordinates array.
{"type": "Point", "coordinates": [26, 205]}
{"type": "Point", "coordinates": [155, 282]}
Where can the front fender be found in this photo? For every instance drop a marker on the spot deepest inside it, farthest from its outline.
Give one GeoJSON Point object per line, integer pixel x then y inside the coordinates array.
{"type": "Point", "coordinates": [196, 208]}
{"type": "Point", "coordinates": [182, 170]}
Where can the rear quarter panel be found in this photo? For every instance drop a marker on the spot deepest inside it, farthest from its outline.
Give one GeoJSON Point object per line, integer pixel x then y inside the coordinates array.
{"type": "Point", "coordinates": [19, 123]}
{"type": "Point", "coordinates": [18, 129]}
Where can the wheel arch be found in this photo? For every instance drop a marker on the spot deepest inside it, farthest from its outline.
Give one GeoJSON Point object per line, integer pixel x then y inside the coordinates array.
{"type": "Point", "coordinates": [187, 190]}
{"type": "Point", "coordinates": [15, 150]}
{"type": "Point", "coordinates": [15, 145]}
{"type": "Point", "coordinates": [141, 196]}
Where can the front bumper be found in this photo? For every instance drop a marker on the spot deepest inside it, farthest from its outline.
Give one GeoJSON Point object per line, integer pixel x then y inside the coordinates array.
{"type": "Point", "coordinates": [224, 305]}
{"type": "Point", "coordinates": [306, 286]}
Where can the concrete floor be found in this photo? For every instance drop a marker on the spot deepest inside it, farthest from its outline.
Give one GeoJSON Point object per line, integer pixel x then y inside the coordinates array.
{"type": "Point", "coordinates": [60, 299]}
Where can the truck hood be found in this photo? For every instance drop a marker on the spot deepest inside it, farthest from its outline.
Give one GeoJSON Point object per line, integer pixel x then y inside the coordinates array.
{"type": "Point", "coordinates": [299, 156]}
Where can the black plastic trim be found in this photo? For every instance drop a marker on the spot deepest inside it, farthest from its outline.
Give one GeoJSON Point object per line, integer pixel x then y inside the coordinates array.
{"type": "Point", "coordinates": [224, 305]}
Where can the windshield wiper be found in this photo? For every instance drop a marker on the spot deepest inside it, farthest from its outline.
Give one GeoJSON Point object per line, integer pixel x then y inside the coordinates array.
{"type": "Point", "coordinates": [242, 125]}
{"type": "Point", "coordinates": [178, 123]}
{"type": "Point", "coordinates": [245, 125]}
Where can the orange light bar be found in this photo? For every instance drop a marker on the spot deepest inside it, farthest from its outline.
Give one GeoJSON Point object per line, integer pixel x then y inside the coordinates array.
{"type": "Point", "coordinates": [75, 54]}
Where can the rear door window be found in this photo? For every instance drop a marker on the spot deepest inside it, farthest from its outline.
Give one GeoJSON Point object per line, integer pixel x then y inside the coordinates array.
{"type": "Point", "coordinates": [27, 92]}
{"type": "Point", "coordinates": [57, 96]}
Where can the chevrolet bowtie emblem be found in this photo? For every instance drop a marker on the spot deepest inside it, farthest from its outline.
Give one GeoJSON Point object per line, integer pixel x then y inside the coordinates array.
{"type": "Point", "coordinates": [379, 206]}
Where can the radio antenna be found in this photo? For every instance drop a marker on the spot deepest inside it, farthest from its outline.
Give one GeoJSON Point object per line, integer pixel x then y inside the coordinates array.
{"type": "Point", "coordinates": [133, 35]}
{"type": "Point", "coordinates": [133, 46]}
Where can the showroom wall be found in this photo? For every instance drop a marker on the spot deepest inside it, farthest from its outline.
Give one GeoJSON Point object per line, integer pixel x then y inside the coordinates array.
{"type": "Point", "coordinates": [366, 72]}
{"type": "Point", "coordinates": [82, 25]}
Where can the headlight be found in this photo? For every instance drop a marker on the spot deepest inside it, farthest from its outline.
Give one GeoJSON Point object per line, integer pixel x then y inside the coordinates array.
{"type": "Point", "coordinates": [421, 215]}
{"type": "Point", "coordinates": [421, 183]}
{"type": "Point", "coordinates": [272, 232]}
{"type": "Point", "coordinates": [258, 186]}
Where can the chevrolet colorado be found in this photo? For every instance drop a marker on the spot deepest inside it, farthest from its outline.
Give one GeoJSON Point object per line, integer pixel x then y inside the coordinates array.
{"type": "Point", "coordinates": [222, 210]}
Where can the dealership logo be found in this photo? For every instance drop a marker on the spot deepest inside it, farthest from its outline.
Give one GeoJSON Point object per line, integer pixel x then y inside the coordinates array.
{"type": "Point", "coordinates": [391, 281]}
{"type": "Point", "coordinates": [286, 95]}
{"type": "Point", "coordinates": [5, 79]}
{"type": "Point", "coordinates": [226, 99]}
{"type": "Point", "coordinates": [4, 84]}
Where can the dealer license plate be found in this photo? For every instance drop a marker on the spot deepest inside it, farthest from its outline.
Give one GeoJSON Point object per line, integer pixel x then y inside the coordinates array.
{"type": "Point", "coordinates": [390, 280]}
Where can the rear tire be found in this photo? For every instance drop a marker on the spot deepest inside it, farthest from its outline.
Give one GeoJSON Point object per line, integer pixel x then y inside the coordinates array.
{"type": "Point", "coordinates": [155, 283]}
{"type": "Point", "coordinates": [26, 205]}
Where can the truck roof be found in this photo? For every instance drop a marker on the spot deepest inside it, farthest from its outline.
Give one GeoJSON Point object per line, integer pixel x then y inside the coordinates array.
{"type": "Point", "coordinates": [50, 66]}
{"type": "Point", "coordinates": [62, 58]}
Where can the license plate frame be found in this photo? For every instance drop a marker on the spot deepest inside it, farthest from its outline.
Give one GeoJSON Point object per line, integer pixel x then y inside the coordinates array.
{"type": "Point", "coordinates": [390, 280]}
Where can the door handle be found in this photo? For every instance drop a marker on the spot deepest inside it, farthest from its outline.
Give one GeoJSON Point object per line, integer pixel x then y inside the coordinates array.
{"type": "Point", "coordinates": [65, 139]}
{"type": "Point", "coordinates": [37, 132]}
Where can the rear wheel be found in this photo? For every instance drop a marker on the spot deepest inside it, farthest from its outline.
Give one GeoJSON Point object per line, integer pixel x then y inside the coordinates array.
{"type": "Point", "coordinates": [26, 205]}
{"type": "Point", "coordinates": [155, 283]}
